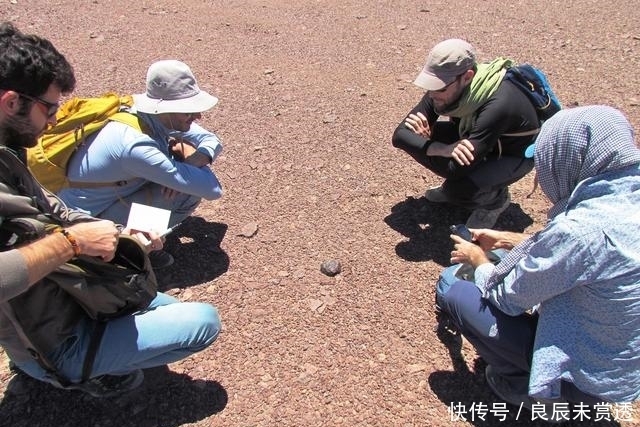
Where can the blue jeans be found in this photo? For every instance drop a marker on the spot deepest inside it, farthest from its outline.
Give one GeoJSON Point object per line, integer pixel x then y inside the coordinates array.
{"type": "Point", "coordinates": [504, 342]}
{"type": "Point", "coordinates": [168, 331]}
{"type": "Point", "coordinates": [181, 206]}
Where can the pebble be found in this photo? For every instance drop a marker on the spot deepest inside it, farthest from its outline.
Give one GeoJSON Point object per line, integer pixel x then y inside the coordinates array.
{"type": "Point", "coordinates": [331, 267]}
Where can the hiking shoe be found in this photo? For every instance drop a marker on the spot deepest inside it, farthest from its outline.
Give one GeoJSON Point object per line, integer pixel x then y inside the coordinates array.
{"type": "Point", "coordinates": [436, 195]}
{"type": "Point", "coordinates": [486, 218]}
{"type": "Point", "coordinates": [109, 385]}
{"type": "Point", "coordinates": [160, 259]}
{"type": "Point", "coordinates": [515, 391]}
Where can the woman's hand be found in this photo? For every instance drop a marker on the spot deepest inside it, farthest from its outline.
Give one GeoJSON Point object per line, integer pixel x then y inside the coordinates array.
{"type": "Point", "coordinates": [492, 239]}
{"type": "Point", "coordinates": [467, 252]}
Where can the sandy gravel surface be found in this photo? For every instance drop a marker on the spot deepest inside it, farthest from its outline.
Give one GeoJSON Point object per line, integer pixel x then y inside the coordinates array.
{"type": "Point", "coordinates": [310, 93]}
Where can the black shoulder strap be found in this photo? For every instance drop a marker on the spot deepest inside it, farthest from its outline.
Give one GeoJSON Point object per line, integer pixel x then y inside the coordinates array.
{"type": "Point", "coordinates": [92, 350]}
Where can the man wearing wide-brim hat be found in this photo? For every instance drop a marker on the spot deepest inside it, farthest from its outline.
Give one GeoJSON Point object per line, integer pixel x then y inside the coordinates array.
{"type": "Point", "coordinates": [165, 165]}
{"type": "Point", "coordinates": [480, 146]}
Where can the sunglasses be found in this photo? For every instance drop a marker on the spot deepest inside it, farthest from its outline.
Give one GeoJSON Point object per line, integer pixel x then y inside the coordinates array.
{"type": "Point", "coordinates": [50, 108]}
{"type": "Point", "coordinates": [447, 86]}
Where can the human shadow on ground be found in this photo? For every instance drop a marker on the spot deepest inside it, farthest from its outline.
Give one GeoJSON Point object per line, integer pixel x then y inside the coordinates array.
{"type": "Point", "coordinates": [465, 392]}
{"type": "Point", "coordinates": [195, 246]}
{"type": "Point", "coordinates": [426, 226]}
{"type": "Point", "coordinates": [165, 399]}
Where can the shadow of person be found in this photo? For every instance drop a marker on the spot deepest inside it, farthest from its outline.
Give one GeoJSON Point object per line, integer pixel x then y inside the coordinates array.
{"type": "Point", "coordinates": [195, 246]}
{"type": "Point", "coordinates": [468, 398]}
{"type": "Point", "coordinates": [165, 399]}
{"type": "Point", "coordinates": [426, 226]}
{"type": "Point", "coordinates": [513, 219]}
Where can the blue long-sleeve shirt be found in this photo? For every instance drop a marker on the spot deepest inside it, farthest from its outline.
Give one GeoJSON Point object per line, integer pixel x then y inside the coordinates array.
{"type": "Point", "coordinates": [121, 153]}
{"type": "Point", "coordinates": [584, 271]}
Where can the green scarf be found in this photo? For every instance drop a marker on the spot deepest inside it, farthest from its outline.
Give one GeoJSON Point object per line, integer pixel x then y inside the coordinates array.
{"type": "Point", "coordinates": [482, 87]}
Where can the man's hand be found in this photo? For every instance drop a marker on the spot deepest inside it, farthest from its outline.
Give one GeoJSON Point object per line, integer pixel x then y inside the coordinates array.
{"type": "Point", "coordinates": [418, 124]}
{"type": "Point", "coordinates": [185, 151]}
{"type": "Point", "coordinates": [462, 152]}
{"type": "Point", "coordinates": [181, 149]}
{"type": "Point", "coordinates": [467, 252]}
{"type": "Point", "coordinates": [96, 238]}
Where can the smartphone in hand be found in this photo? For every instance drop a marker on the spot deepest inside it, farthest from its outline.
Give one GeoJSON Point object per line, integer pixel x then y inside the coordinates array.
{"type": "Point", "coordinates": [462, 231]}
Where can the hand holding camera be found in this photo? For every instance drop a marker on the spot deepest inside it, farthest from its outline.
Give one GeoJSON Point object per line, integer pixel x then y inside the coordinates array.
{"type": "Point", "coordinates": [461, 230]}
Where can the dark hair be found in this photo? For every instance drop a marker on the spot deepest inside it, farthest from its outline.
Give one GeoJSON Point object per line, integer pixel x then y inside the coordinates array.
{"type": "Point", "coordinates": [30, 64]}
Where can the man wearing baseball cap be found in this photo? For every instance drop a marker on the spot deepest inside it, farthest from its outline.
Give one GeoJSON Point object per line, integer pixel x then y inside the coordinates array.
{"type": "Point", "coordinates": [165, 166]}
{"type": "Point", "coordinates": [471, 128]}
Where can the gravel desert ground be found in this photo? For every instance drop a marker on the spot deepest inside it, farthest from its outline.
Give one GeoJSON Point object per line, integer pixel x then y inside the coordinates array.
{"type": "Point", "coordinates": [310, 93]}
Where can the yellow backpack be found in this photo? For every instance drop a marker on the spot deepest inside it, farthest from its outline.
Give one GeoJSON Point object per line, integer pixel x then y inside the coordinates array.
{"type": "Point", "coordinates": [77, 118]}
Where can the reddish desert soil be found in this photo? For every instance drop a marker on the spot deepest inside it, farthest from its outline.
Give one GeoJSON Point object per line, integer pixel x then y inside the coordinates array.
{"type": "Point", "coordinates": [310, 94]}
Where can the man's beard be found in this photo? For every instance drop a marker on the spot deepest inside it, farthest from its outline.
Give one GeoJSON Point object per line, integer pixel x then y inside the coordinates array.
{"type": "Point", "coordinates": [17, 132]}
{"type": "Point", "coordinates": [449, 107]}
{"type": "Point", "coordinates": [446, 108]}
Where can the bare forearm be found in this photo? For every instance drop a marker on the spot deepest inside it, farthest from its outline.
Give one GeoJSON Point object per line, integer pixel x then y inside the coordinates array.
{"type": "Point", "coordinates": [45, 255]}
{"type": "Point", "coordinates": [509, 239]}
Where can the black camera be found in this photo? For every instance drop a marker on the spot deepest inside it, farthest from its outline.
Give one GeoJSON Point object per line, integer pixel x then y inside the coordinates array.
{"type": "Point", "coordinates": [462, 231]}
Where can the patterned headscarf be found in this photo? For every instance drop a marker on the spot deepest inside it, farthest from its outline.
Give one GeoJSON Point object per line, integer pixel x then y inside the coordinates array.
{"type": "Point", "coordinates": [575, 144]}
{"type": "Point", "coordinates": [579, 143]}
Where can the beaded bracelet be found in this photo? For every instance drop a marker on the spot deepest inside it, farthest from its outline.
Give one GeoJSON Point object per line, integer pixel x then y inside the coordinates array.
{"type": "Point", "coordinates": [72, 240]}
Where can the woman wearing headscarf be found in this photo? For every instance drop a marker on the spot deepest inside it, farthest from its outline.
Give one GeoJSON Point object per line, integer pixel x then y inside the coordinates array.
{"type": "Point", "coordinates": [558, 318]}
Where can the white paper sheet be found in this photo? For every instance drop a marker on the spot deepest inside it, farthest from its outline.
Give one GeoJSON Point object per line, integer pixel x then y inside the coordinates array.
{"type": "Point", "coordinates": [148, 218]}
